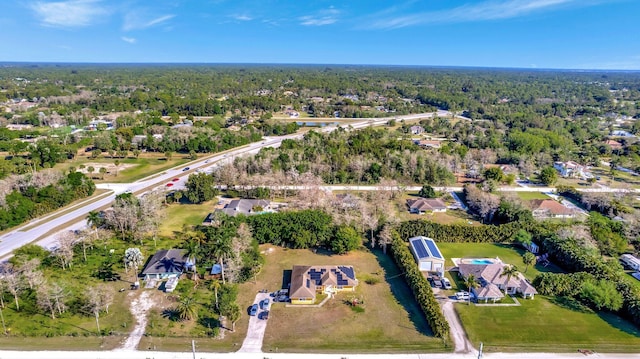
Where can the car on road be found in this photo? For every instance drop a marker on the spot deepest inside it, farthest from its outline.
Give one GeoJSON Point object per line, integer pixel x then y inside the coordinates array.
{"type": "Point", "coordinates": [464, 295]}
{"type": "Point", "coordinates": [445, 283]}
{"type": "Point", "coordinates": [264, 304]}
{"type": "Point", "coordinates": [253, 310]}
{"type": "Point", "coordinates": [185, 169]}
{"type": "Point", "coordinates": [207, 161]}
{"type": "Point", "coordinates": [175, 180]}
{"type": "Point", "coordinates": [169, 184]}
{"type": "Point", "coordinates": [264, 315]}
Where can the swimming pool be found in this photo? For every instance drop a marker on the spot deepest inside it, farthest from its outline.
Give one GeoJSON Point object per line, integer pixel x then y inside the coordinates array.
{"type": "Point", "coordinates": [480, 261]}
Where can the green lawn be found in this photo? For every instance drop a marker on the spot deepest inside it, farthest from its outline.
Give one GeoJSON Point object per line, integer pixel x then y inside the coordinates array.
{"type": "Point", "coordinates": [528, 196]}
{"type": "Point", "coordinates": [545, 325]}
{"type": "Point", "coordinates": [391, 320]}
{"type": "Point", "coordinates": [177, 215]}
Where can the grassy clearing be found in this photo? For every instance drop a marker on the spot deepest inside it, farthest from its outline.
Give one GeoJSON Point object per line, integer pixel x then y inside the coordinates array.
{"type": "Point", "coordinates": [391, 320]}
{"type": "Point", "coordinates": [528, 196]}
{"type": "Point", "coordinates": [549, 325]}
{"type": "Point", "coordinates": [146, 165]}
{"type": "Point", "coordinates": [178, 215]}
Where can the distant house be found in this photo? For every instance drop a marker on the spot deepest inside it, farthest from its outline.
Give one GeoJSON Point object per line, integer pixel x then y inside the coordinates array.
{"type": "Point", "coordinates": [307, 281]}
{"type": "Point", "coordinates": [620, 133]}
{"type": "Point", "coordinates": [615, 145]}
{"type": "Point", "coordinates": [423, 205]}
{"type": "Point", "coordinates": [548, 208]}
{"type": "Point", "coordinates": [428, 143]}
{"type": "Point", "coordinates": [488, 272]}
{"type": "Point", "coordinates": [416, 130]}
{"type": "Point", "coordinates": [246, 207]}
{"type": "Point", "coordinates": [427, 255]}
{"type": "Point", "coordinates": [166, 263]}
{"type": "Point", "coordinates": [570, 169]}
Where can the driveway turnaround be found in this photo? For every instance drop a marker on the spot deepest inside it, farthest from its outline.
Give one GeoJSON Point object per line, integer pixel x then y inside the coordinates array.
{"type": "Point", "coordinates": [253, 342]}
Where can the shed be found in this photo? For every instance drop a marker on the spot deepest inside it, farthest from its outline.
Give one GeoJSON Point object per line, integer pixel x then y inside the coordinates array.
{"type": "Point", "coordinates": [427, 255]}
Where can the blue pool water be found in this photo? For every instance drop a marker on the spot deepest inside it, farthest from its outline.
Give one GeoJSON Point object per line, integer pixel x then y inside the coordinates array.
{"type": "Point", "coordinates": [481, 261]}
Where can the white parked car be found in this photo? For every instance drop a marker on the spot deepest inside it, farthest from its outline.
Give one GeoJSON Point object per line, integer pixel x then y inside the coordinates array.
{"type": "Point", "coordinates": [445, 283]}
{"type": "Point", "coordinates": [464, 295]}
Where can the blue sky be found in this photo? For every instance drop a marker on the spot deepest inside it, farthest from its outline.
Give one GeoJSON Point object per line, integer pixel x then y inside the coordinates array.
{"type": "Point", "coordinates": [575, 34]}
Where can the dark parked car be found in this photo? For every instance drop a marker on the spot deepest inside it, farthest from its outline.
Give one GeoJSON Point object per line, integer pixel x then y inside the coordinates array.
{"type": "Point", "coordinates": [185, 169]}
{"type": "Point", "coordinates": [253, 310]}
{"type": "Point", "coordinates": [264, 315]}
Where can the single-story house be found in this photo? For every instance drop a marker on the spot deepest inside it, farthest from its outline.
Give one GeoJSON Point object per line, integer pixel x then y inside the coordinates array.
{"type": "Point", "coordinates": [416, 130]}
{"type": "Point", "coordinates": [246, 207]}
{"type": "Point", "coordinates": [427, 255]}
{"type": "Point", "coordinates": [428, 143]}
{"type": "Point", "coordinates": [423, 205]}
{"type": "Point", "coordinates": [615, 145]}
{"type": "Point", "coordinates": [167, 263]}
{"type": "Point", "coordinates": [549, 208]}
{"type": "Point", "coordinates": [488, 272]}
{"type": "Point", "coordinates": [570, 169]}
{"type": "Point", "coordinates": [307, 281]}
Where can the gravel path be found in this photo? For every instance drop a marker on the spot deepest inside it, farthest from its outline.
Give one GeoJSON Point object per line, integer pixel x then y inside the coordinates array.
{"type": "Point", "coordinates": [460, 341]}
{"type": "Point", "coordinates": [139, 308]}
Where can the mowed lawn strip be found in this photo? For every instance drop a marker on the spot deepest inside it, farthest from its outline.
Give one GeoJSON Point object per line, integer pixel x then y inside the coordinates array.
{"type": "Point", "coordinates": [528, 196]}
{"type": "Point", "coordinates": [391, 320]}
{"type": "Point", "coordinates": [545, 326]}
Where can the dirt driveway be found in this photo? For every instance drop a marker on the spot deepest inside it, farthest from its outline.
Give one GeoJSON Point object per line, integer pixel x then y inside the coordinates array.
{"type": "Point", "coordinates": [253, 341]}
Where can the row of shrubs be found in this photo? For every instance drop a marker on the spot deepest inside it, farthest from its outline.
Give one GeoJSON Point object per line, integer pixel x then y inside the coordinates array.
{"type": "Point", "coordinates": [459, 233]}
{"type": "Point", "coordinates": [420, 287]}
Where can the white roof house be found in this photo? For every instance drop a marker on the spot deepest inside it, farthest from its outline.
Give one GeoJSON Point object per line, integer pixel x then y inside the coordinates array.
{"type": "Point", "coordinates": [427, 255]}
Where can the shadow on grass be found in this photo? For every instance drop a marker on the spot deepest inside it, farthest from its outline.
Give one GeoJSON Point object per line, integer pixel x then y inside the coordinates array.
{"type": "Point", "coordinates": [619, 323]}
{"type": "Point", "coordinates": [402, 293]}
{"type": "Point", "coordinates": [571, 304]}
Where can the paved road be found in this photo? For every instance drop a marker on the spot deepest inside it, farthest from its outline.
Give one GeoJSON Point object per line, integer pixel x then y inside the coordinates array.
{"type": "Point", "coordinates": [253, 341]}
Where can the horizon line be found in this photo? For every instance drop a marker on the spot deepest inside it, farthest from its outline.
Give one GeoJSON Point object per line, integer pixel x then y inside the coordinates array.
{"type": "Point", "coordinates": [4, 63]}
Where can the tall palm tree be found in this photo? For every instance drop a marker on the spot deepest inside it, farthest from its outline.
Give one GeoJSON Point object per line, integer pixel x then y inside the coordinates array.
{"type": "Point", "coordinates": [93, 219]}
{"type": "Point", "coordinates": [528, 258]}
{"type": "Point", "coordinates": [186, 309]}
{"type": "Point", "coordinates": [471, 283]}
{"type": "Point", "coordinates": [215, 285]}
{"type": "Point", "coordinates": [221, 251]}
{"type": "Point", "coordinates": [191, 249]}
{"type": "Point", "coordinates": [509, 272]}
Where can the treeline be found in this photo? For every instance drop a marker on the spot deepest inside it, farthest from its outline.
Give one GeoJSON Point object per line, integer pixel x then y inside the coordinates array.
{"type": "Point", "coordinates": [304, 229]}
{"type": "Point", "coordinates": [26, 202]}
{"type": "Point", "coordinates": [358, 157]}
{"type": "Point", "coordinates": [575, 258]}
{"type": "Point", "coordinates": [420, 287]}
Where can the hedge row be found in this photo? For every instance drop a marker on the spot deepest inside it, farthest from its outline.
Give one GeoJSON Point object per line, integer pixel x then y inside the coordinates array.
{"type": "Point", "coordinates": [572, 257]}
{"type": "Point", "coordinates": [460, 233]}
{"type": "Point", "coordinates": [421, 288]}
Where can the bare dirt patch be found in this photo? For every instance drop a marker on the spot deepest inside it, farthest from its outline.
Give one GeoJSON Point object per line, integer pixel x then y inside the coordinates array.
{"type": "Point", "coordinates": [139, 308]}
{"type": "Point", "coordinates": [110, 167]}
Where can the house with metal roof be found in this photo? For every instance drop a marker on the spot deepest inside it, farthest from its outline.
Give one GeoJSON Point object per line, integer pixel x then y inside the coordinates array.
{"type": "Point", "coordinates": [307, 281]}
{"type": "Point", "coordinates": [426, 253]}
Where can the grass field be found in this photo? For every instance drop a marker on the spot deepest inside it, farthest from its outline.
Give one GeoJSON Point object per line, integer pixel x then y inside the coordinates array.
{"type": "Point", "coordinates": [545, 324]}
{"type": "Point", "coordinates": [391, 320]}
{"type": "Point", "coordinates": [177, 215]}
{"type": "Point", "coordinates": [528, 196]}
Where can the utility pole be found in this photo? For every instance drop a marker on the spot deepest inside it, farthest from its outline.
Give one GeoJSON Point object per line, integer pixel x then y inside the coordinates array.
{"type": "Point", "coordinates": [479, 351]}
{"type": "Point", "coordinates": [193, 348]}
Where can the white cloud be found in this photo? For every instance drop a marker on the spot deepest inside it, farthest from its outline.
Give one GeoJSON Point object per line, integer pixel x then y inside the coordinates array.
{"type": "Point", "coordinates": [483, 11]}
{"type": "Point", "coordinates": [130, 40]}
{"type": "Point", "coordinates": [71, 13]}
{"type": "Point", "coordinates": [134, 21]}
{"type": "Point", "coordinates": [241, 17]}
{"type": "Point", "coordinates": [324, 17]}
